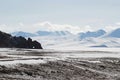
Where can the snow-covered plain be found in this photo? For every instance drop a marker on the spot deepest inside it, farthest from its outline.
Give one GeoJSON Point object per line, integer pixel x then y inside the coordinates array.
{"type": "Point", "coordinates": [60, 64]}
{"type": "Point", "coordinates": [25, 56]}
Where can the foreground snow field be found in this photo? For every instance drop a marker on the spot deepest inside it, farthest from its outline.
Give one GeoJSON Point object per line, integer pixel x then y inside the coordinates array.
{"type": "Point", "coordinates": [59, 64]}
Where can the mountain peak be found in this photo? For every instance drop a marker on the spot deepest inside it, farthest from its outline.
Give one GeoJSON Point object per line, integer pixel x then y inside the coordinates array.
{"type": "Point", "coordinates": [97, 33]}
{"type": "Point", "coordinates": [115, 33]}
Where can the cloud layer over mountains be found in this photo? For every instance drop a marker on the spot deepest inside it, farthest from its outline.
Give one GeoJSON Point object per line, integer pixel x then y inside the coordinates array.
{"type": "Point", "coordinates": [48, 26]}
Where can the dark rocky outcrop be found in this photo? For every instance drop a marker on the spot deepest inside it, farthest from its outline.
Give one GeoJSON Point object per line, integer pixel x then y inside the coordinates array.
{"type": "Point", "coordinates": [8, 41]}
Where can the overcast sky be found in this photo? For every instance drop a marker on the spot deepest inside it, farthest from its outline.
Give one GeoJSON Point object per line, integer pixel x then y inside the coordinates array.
{"type": "Point", "coordinates": [72, 15]}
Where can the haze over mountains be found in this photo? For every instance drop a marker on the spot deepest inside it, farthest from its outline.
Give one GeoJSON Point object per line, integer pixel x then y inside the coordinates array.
{"type": "Point", "coordinates": [99, 38]}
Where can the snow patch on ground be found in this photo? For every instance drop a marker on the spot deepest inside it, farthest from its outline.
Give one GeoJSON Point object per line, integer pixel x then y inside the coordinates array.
{"type": "Point", "coordinates": [43, 56]}
{"type": "Point", "coordinates": [21, 62]}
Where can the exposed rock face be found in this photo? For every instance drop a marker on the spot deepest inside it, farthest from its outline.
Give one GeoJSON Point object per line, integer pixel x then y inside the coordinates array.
{"type": "Point", "coordinates": [6, 40]}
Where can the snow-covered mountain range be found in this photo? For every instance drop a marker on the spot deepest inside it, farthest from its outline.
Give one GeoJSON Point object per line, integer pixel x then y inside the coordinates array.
{"type": "Point", "coordinates": [91, 34]}
{"type": "Point", "coordinates": [63, 39]}
{"type": "Point", "coordinates": [41, 33]}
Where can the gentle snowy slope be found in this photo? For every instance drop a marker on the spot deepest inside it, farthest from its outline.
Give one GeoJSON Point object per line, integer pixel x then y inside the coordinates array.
{"type": "Point", "coordinates": [52, 41]}
{"type": "Point", "coordinates": [74, 43]}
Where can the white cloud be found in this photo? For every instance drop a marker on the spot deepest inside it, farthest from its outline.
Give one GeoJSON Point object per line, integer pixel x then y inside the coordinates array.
{"type": "Point", "coordinates": [4, 27]}
{"type": "Point", "coordinates": [88, 28]}
{"type": "Point", "coordinates": [21, 24]}
{"type": "Point", "coordinates": [48, 26]}
{"type": "Point", "coordinates": [111, 27]}
{"type": "Point", "coordinates": [118, 23]}
{"type": "Point", "coordinates": [57, 27]}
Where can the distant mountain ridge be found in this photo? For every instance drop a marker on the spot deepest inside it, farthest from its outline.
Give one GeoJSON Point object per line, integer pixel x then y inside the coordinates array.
{"type": "Point", "coordinates": [23, 34]}
{"type": "Point", "coordinates": [53, 33]}
{"type": "Point", "coordinates": [115, 33]}
{"type": "Point", "coordinates": [91, 34]}
{"type": "Point", "coordinates": [41, 33]}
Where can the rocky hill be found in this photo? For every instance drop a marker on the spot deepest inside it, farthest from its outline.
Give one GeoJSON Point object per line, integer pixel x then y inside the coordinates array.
{"type": "Point", "coordinates": [8, 41]}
